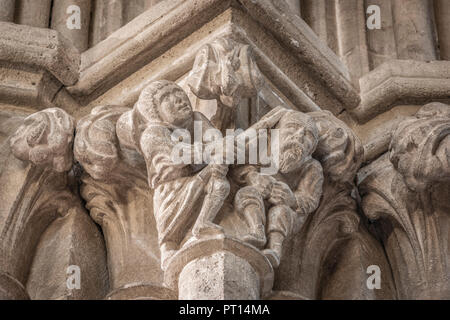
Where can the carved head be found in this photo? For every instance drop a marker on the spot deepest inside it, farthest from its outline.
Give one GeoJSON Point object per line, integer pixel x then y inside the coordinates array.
{"type": "Point", "coordinates": [225, 70]}
{"type": "Point", "coordinates": [161, 102]}
{"type": "Point", "coordinates": [420, 147]}
{"type": "Point", "coordinates": [46, 138]}
{"type": "Point", "coordinates": [298, 140]}
{"type": "Point", "coordinates": [164, 101]}
{"type": "Point", "coordinates": [339, 150]}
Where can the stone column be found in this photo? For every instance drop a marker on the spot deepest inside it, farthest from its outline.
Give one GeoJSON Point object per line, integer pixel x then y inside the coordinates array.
{"type": "Point", "coordinates": [78, 37]}
{"type": "Point", "coordinates": [107, 18]}
{"type": "Point", "coordinates": [133, 8]}
{"type": "Point", "coordinates": [34, 13]}
{"type": "Point", "coordinates": [295, 6]}
{"type": "Point", "coordinates": [351, 37]}
{"type": "Point", "coordinates": [442, 13]}
{"type": "Point", "coordinates": [151, 3]}
{"type": "Point", "coordinates": [313, 12]}
{"type": "Point", "coordinates": [381, 42]}
{"type": "Point", "coordinates": [128, 224]}
{"type": "Point", "coordinates": [219, 268]}
{"type": "Point", "coordinates": [7, 10]}
{"type": "Point", "coordinates": [320, 15]}
{"type": "Point", "coordinates": [413, 30]}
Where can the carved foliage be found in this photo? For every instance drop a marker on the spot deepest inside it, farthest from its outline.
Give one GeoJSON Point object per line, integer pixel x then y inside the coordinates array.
{"type": "Point", "coordinates": [36, 193]}
{"type": "Point", "coordinates": [333, 245]}
{"type": "Point", "coordinates": [96, 142]}
{"type": "Point", "coordinates": [118, 198]}
{"type": "Point", "coordinates": [45, 138]}
{"type": "Point", "coordinates": [406, 193]}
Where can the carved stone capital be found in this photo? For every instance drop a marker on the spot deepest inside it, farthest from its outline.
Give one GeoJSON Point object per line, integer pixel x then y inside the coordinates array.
{"type": "Point", "coordinates": [117, 195]}
{"type": "Point", "coordinates": [37, 192]}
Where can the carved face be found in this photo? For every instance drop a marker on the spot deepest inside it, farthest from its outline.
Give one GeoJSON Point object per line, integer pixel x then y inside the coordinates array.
{"type": "Point", "coordinates": [297, 141]}
{"type": "Point", "coordinates": [175, 108]}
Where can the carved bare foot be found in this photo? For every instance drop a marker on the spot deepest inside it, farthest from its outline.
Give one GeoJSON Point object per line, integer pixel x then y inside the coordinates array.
{"type": "Point", "coordinates": [206, 229]}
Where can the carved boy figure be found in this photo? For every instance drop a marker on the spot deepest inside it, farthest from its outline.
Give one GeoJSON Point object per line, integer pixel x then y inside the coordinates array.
{"type": "Point", "coordinates": [291, 194]}
{"type": "Point", "coordinates": [178, 190]}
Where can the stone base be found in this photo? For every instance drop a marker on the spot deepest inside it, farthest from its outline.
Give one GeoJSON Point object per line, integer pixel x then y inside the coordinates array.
{"type": "Point", "coordinates": [141, 292]}
{"type": "Point", "coordinates": [219, 268]}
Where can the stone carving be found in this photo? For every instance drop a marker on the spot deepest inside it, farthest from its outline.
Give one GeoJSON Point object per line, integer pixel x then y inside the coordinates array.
{"type": "Point", "coordinates": [38, 194]}
{"type": "Point", "coordinates": [46, 138]}
{"type": "Point", "coordinates": [290, 195]}
{"type": "Point", "coordinates": [224, 70]}
{"type": "Point", "coordinates": [114, 186]}
{"type": "Point", "coordinates": [162, 108]}
{"type": "Point", "coordinates": [179, 190]}
{"type": "Point", "coordinates": [332, 249]}
{"type": "Point", "coordinates": [208, 227]}
{"type": "Point", "coordinates": [406, 193]}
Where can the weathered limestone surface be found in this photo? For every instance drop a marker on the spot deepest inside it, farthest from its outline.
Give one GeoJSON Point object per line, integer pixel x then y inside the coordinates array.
{"type": "Point", "coordinates": [41, 48]}
{"type": "Point", "coordinates": [413, 30]}
{"type": "Point", "coordinates": [34, 13]}
{"type": "Point", "coordinates": [401, 82]}
{"type": "Point", "coordinates": [442, 11]}
{"type": "Point", "coordinates": [7, 10]}
{"type": "Point", "coordinates": [107, 18]}
{"type": "Point", "coordinates": [72, 240]}
{"type": "Point", "coordinates": [212, 149]}
{"type": "Point", "coordinates": [62, 21]}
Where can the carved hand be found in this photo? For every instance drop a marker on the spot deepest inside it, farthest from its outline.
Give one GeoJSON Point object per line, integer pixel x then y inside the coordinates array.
{"type": "Point", "coordinates": [282, 194]}
{"type": "Point", "coordinates": [262, 183]}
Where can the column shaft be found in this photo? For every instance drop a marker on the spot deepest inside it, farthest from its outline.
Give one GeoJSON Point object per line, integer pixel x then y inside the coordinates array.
{"type": "Point", "coordinates": [320, 15]}
{"type": "Point", "coordinates": [60, 18]}
{"type": "Point", "coordinates": [7, 10]}
{"type": "Point", "coordinates": [442, 13]}
{"type": "Point", "coordinates": [413, 30]}
{"type": "Point", "coordinates": [351, 37]}
{"type": "Point", "coordinates": [34, 13]}
{"type": "Point", "coordinates": [295, 6]}
{"type": "Point", "coordinates": [107, 18]}
{"type": "Point", "coordinates": [381, 42]}
{"type": "Point", "coordinates": [133, 8]}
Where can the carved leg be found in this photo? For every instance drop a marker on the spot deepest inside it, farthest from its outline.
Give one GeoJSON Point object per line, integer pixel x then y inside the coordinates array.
{"type": "Point", "coordinates": [168, 249]}
{"type": "Point", "coordinates": [218, 189]}
{"type": "Point", "coordinates": [280, 224]}
{"type": "Point", "coordinates": [250, 204]}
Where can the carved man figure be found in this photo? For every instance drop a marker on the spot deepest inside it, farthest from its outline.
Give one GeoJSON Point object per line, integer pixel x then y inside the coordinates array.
{"type": "Point", "coordinates": [291, 194]}
{"type": "Point", "coordinates": [178, 190]}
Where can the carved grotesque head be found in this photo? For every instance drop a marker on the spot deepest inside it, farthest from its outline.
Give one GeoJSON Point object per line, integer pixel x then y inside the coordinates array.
{"type": "Point", "coordinates": [46, 138]}
{"type": "Point", "coordinates": [225, 70]}
{"type": "Point", "coordinates": [298, 140]}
